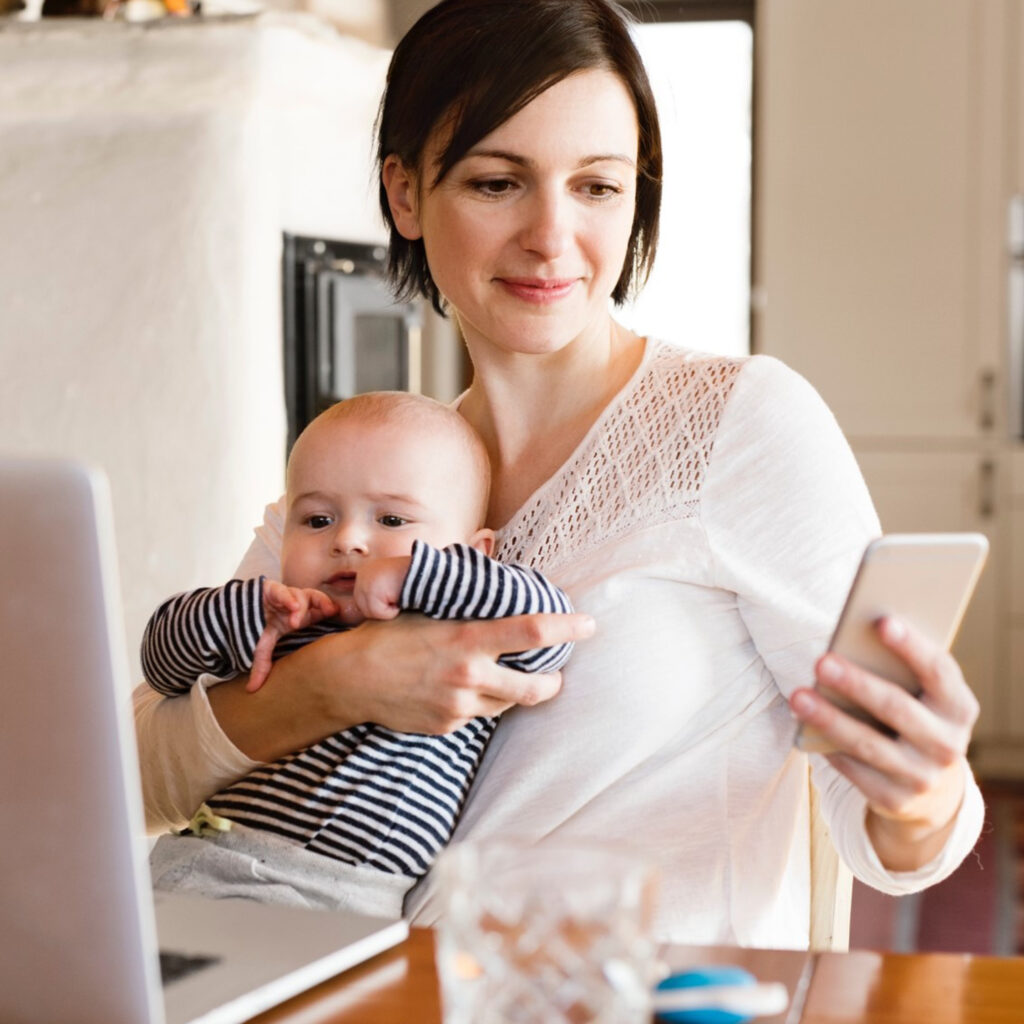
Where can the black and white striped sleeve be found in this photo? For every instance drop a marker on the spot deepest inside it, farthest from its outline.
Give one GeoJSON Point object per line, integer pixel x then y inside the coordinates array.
{"type": "Point", "coordinates": [460, 582]}
{"type": "Point", "coordinates": [214, 630]}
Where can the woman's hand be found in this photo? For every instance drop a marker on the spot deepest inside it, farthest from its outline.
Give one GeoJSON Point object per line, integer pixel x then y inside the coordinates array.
{"type": "Point", "coordinates": [411, 674]}
{"type": "Point", "coordinates": [914, 782]}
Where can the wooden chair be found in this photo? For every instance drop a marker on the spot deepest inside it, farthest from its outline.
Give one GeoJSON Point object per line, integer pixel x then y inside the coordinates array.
{"type": "Point", "coordinates": [831, 887]}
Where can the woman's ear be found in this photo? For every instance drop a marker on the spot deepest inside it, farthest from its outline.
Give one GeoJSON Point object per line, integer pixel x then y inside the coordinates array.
{"type": "Point", "coordinates": [401, 185]}
{"type": "Point", "coordinates": [483, 541]}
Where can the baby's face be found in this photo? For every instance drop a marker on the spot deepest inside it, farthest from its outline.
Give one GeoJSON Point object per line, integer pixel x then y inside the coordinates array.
{"type": "Point", "coordinates": [361, 490]}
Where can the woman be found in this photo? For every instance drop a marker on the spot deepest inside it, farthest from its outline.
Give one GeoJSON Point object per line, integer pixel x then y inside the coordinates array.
{"type": "Point", "coordinates": [704, 512]}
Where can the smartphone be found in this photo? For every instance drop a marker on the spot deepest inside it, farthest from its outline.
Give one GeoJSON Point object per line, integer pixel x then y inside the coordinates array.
{"type": "Point", "coordinates": [927, 580]}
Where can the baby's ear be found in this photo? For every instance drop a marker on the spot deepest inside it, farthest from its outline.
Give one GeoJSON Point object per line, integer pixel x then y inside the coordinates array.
{"type": "Point", "coordinates": [483, 541]}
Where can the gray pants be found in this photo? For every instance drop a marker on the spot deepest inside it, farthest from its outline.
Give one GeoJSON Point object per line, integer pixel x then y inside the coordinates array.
{"type": "Point", "coordinates": [245, 862]}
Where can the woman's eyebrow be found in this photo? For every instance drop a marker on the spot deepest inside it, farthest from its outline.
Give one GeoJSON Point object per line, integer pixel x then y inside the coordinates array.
{"type": "Point", "coordinates": [525, 161]}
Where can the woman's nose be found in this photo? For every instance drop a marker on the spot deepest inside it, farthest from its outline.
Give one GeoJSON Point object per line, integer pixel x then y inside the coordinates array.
{"type": "Point", "coordinates": [349, 536]}
{"type": "Point", "coordinates": [548, 228]}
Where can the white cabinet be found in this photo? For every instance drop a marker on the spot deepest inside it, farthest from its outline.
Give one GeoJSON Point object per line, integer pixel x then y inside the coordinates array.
{"type": "Point", "coordinates": [890, 141]}
{"type": "Point", "coordinates": [1015, 596]}
{"type": "Point", "coordinates": [869, 171]}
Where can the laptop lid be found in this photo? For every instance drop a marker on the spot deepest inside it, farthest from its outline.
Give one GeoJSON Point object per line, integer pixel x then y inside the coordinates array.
{"type": "Point", "coordinates": [75, 896]}
{"type": "Point", "coordinates": [73, 861]}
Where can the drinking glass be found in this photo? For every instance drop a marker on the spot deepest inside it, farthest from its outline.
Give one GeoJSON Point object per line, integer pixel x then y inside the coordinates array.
{"type": "Point", "coordinates": [550, 934]}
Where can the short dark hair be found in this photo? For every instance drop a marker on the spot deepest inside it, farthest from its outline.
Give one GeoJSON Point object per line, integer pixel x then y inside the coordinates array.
{"type": "Point", "coordinates": [476, 63]}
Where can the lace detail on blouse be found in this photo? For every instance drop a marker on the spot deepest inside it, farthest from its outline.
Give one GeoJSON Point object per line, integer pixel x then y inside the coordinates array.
{"type": "Point", "coordinates": [641, 464]}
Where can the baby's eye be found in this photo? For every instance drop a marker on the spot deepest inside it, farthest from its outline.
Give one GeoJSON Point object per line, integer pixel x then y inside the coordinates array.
{"type": "Point", "coordinates": [318, 522]}
{"type": "Point", "coordinates": [392, 521]}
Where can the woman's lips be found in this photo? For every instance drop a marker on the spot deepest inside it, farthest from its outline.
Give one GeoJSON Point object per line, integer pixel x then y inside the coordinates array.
{"type": "Point", "coordinates": [539, 290]}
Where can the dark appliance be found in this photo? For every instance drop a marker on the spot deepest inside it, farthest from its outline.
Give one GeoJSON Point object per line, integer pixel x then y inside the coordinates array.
{"type": "Point", "coordinates": [343, 331]}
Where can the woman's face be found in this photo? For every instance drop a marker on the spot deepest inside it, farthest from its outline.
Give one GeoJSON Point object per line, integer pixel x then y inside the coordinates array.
{"type": "Point", "coordinates": [527, 234]}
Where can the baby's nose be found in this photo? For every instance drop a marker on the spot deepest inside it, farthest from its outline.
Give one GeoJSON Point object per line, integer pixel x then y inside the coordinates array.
{"type": "Point", "coordinates": [350, 536]}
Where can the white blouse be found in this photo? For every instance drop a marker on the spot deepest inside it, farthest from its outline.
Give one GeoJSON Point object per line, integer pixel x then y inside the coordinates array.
{"type": "Point", "coordinates": [711, 522]}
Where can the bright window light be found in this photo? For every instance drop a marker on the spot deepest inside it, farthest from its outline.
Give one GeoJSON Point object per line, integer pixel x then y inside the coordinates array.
{"type": "Point", "coordinates": [698, 295]}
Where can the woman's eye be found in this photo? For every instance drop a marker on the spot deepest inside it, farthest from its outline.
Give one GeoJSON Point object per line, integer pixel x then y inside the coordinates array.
{"type": "Point", "coordinates": [602, 190]}
{"type": "Point", "coordinates": [318, 522]}
{"type": "Point", "coordinates": [493, 186]}
{"type": "Point", "coordinates": [392, 521]}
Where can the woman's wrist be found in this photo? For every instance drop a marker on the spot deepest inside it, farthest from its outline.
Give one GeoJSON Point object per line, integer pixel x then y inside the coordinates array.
{"type": "Point", "coordinates": [297, 706]}
{"type": "Point", "coordinates": [906, 846]}
{"type": "Point", "coordinates": [910, 844]}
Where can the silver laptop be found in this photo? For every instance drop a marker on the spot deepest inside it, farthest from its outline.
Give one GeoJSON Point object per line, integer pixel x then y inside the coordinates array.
{"type": "Point", "coordinates": [79, 919]}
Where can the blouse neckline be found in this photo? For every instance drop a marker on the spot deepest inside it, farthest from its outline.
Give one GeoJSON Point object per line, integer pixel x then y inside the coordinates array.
{"type": "Point", "coordinates": [614, 402]}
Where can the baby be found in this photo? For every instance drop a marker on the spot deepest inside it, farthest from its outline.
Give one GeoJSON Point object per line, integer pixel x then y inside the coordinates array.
{"type": "Point", "coordinates": [386, 493]}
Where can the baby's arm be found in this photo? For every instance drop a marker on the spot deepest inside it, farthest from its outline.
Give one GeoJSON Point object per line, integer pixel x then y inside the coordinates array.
{"type": "Point", "coordinates": [225, 631]}
{"type": "Point", "coordinates": [212, 630]}
{"type": "Point", "coordinates": [463, 583]}
{"type": "Point", "coordinates": [285, 610]}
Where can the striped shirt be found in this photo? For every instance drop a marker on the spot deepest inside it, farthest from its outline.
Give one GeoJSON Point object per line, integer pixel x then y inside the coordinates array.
{"type": "Point", "coordinates": [366, 795]}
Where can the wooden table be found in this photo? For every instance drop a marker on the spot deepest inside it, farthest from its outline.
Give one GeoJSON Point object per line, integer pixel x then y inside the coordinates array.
{"type": "Point", "coordinates": [400, 987]}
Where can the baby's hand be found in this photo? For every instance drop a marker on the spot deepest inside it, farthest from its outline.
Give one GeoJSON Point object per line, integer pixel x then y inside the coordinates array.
{"type": "Point", "coordinates": [379, 585]}
{"type": "Point", "coordinates": [285, 609]}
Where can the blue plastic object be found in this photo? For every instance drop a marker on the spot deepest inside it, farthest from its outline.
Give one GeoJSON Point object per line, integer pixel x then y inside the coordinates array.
{"type": "Point", "coordinates": [699, 978]}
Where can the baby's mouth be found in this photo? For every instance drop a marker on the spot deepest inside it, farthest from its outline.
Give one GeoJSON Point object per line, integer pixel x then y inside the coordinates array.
{"type": "Point", "coordinates": [343, 582]}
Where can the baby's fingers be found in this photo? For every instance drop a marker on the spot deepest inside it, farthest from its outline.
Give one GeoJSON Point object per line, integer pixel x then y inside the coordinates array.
{"type": "Point", "coordinates": [378, 608]}
{"type": "Point", "coordinates": [322, 605]}
{"type": "Point", "coordinates": [277, 597]}
{"type": "Point", "coordinates": [262, 660]}
{"type": "Point", "coordinates": [257, 677]}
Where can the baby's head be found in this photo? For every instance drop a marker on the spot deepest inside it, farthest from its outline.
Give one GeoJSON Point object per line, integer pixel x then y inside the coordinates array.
{"type": "Point", "coordinates": [374, 473]}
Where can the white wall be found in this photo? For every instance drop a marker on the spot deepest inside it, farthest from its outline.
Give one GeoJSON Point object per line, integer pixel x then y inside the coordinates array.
{"type": "Point", "coordinates": [146, 175]}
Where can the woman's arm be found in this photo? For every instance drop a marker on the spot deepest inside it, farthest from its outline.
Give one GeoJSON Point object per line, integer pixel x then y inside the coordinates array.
{"type": "Point", "coordinates": [183, 755]}
{"type": "Point", "coordinates": [411, 674]}
{"type": "Point", "coordinates": [788, 516]}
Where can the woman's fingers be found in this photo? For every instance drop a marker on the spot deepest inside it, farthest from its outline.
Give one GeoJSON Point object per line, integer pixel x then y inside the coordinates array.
{"type": "Point", "coordinates": [912, 779]}
{"type": "Point", "coordinates": [509, 687]}
{"type": "Point", "coordinates": [525, 632]}
{"type": "Point", "coordinates": [914, 720]}
{"type": "Point", "coordinates": [496, 687]}
{"type": "Point", "coordinates": [433, 676]}
{"type": "Point", "coordinates": [902, 763]}
{"type": "Point", "coordinates": [516, 687]}
{"type": "Point", "coordinates": [879, 787]}
{"type": "Point", "coordinates": [942, 683]}
{"type": "Point", "coordinates": [936, 722]}
{"type": "Point", "coordinates": [902, 783]}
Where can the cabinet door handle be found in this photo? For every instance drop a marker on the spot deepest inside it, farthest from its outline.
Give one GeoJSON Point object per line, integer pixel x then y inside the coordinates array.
{"type": "Point", "coordinates": [987, 489]}
{"type": "Point", "coordinates": [987, 401]}
{"type": "Point", "coordinates": [1015, 315]}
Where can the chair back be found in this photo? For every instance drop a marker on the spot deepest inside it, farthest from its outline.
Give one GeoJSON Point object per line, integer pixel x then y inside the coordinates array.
{"type": "Point", "coordinates": [831, 887]}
